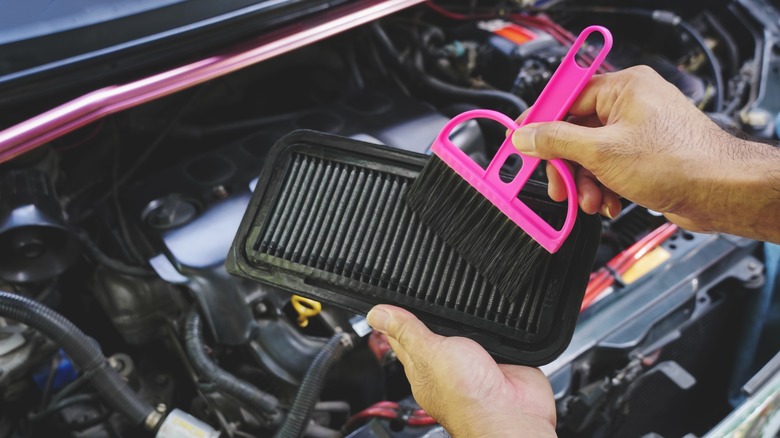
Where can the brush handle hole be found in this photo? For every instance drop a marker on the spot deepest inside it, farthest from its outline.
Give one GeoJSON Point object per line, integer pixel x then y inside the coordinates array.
{"type": "Point", "coordinates": [512, 165]}
{"type": "Point", "coordinates": [589, 49]}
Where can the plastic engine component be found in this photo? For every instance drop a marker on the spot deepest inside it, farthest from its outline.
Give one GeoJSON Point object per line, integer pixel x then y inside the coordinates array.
{"type": "Point", "coordinates": [328, 220]}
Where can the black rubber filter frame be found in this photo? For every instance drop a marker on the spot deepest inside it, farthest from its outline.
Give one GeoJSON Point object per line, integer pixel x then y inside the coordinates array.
{"type": "Point", "coordinates": [328, 221]}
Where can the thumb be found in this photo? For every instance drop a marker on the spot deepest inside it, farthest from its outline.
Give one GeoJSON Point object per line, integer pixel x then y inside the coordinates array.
{"type": "Point", "coordinates": [404, 328]}
{"type": "Point", "coordinates": [558, 140]}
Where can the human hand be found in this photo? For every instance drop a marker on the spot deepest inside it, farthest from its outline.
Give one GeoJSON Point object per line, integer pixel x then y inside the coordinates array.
{"type": "Point", "coordinates": [634, 134]}
{"type": "Point", "coordinates": [457, 382]}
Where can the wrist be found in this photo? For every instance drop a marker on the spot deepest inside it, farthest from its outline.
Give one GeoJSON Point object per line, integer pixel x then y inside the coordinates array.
{"type": "Point", "coordinates": [511, 423]}
{"type": "Point", "coordinates": [739, 186]}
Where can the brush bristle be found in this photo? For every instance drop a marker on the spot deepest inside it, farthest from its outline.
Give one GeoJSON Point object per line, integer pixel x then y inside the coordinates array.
{"type": "Point", "coordinates": [483, 235]}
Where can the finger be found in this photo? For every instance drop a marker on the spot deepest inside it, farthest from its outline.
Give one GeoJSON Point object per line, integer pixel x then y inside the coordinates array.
{"type": "Point", "coordinates": [522, 116]}
{"type": "Point", "coordinates": [587, 102]}
{"type": "Point", "coordinates": [561, 140]}
{"type": "Point", "coordinates": [401, 326]}
{"type": "Point", "coordinates": [588, 191]}
{"type": "Point", "coordinates": [610, 204]}
{"type": "Point", "coordinates": [556, 188]}
{"type": "Point", "coordinates": [591, 121]}
{"type": "Point", "coordinates": [401, 353]}
{"type": "Point", "coordinates": [601, 94]}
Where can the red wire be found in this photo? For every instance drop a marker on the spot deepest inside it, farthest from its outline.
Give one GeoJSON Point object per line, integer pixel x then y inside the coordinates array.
{"type": "Point", "coordinates": [89, 136]}
{"type": "Point", "coordinates": [389, 410]}
{"type": "Point", "coordinates": [454, 15]}
{"type": "Point", "coordinates": [558, 32]}
{"type": "Point", "coordinates": [604, 278]}
{"type": "Point", "coordinates": [421, 421]}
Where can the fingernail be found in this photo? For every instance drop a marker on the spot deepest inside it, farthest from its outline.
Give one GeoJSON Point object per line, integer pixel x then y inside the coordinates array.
{"type": "Point", "coordinates": [378, 318]}
{"type": "Point", "coordinates": [605, 211]}
{"type": "Point", "coordinates": [523, 139]}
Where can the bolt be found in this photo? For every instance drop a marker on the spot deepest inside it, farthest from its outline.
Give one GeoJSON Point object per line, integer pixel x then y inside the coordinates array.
{"type": "Point", "coordinates": [260, 308]}
{"type": "Point", "coordinates": [116, 364]}
{"type": "Point", "coordinates": [161, 408]}
{"type": "Point", "coordinates": [220, 192]}
{"type": "Point", "coordinates": [753, 266]}
{"type": "Point", "coordinates": [153, 420]}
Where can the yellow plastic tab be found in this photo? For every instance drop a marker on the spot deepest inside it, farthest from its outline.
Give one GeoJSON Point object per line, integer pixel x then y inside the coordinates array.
{"type": "Point", "coordinates": [306, 309]}
{"type": "Point", "coordinates": [646, 264]}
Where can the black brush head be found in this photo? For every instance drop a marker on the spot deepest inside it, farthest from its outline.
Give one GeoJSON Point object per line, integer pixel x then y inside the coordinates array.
{"type": "Point", "coordinates": [483, 235]}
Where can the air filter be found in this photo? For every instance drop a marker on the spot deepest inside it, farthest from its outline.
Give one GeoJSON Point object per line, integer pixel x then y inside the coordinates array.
{"type": "Point", "coordinates": [328, 220]}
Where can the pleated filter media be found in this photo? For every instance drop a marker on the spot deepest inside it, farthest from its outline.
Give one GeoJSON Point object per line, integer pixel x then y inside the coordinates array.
{"type": "Point", "coordinates": [328, 220]}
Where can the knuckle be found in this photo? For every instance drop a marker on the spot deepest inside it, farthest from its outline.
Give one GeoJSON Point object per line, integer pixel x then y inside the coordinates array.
{"type": "Point", "coordinates": [641, 72]}
{"type": "Point", "coordinates": [558, 138]}
{"type": "Point", "coordinates": [399, 330]}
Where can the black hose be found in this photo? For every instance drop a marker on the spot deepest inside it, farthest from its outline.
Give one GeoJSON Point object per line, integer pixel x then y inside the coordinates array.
{"type": "Point", "coordinates": [309, 392]}
{"type": "Point", "coordinates": [109, 262]}
{"type": "Point", "coordinates": [387, 44]}
{"type": "Point", "coordinates": [83, 351]}
{"type": "Point", "coordinates": [468, 94]}
{"type": "Point", "coordinates": [418, 72]}
{"type": "Point", "coordinates": [717, 73]}
{"type": "Point", "coordinates": [731, 49]}
{"type": "Point", "coordinates": [266, 404]}
{"type": "Point", "coordinates": [670, 19]}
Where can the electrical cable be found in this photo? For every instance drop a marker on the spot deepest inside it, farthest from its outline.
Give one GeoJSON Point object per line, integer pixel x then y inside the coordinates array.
{"type": "Point", "coordinates": [731, 48]}
{"type": "Point", "coordinates": [419, 73]}
{"type": "Point", "coordinates": [122, 179]}
{"type": "Point", "coordinates": [560, 34]}
{"type": "Point", "coordinates": [111, 263]}
{"type": "Point", "coordinates": [96, 128]}
{"type": "Point", "coordinates": [671, 19]}
{"type": "Point", "coordinates": [161, 136]}
{"type": "Point", "coordinates": [85, 354]}
{"type": "Point", "coordinates": [47, 387]}
{"type": "Point", "coordinates": [120, 215]}
{"type": "Point", "coordinates": [456, 15]}
{"type": "Point", "coordinates": [56, 406]}
{"type": "Point", "coordinates": [357, 77]}
{"type": "Point", "coordinates": [199, 132]}
{"type": "Point", "coordinates": [390, 411]}
{"type": "Point", "coordinates": [717, 73]}
{"type": "Point", "coordinates": [265, 404]}
{"type": "Point", "coordinates": [309, 392]}
{"type": "Point", "coordinates": [606, 276]}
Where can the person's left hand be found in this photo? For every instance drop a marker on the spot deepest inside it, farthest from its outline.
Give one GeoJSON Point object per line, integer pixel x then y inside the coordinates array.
{"type": "Point", "coordinates": [457, 382]}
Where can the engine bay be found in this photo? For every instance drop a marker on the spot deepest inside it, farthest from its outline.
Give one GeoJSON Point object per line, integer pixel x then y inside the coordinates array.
{"type": "Point", "coordinates": [123, 227]}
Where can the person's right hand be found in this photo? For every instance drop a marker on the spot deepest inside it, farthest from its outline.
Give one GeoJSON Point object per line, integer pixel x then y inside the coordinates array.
{"type": "Point", "coordinates": [635, 135]}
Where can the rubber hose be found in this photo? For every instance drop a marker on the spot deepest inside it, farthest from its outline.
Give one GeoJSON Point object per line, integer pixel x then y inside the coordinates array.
{"type": "Point", "coordinates": [671, 19]}
{"type": "Point", "coordinates": [717, 74]}
{"type": "Point", "coordinates": [471, 95]}
{"type": "Point", "coordinates": [223, 381]}
{"type": "Point", "coordinates": [309, 392]}
{"type": "Point", "coordinates": [467, 94]}
{"type": "Point", "coordinates": [109, 262]}
{"type": "Point", "coordinates": [82, 350]}
{"type": "Point", "coordinates": [439, 86]}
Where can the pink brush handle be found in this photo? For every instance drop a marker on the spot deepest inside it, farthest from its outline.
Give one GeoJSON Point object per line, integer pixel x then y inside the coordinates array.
{"type": "Point", "coordinates": [553, 104]}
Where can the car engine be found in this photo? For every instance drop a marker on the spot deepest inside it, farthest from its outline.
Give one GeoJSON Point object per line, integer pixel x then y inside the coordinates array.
{"type": "Point", "coordinates": [122, 228]}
